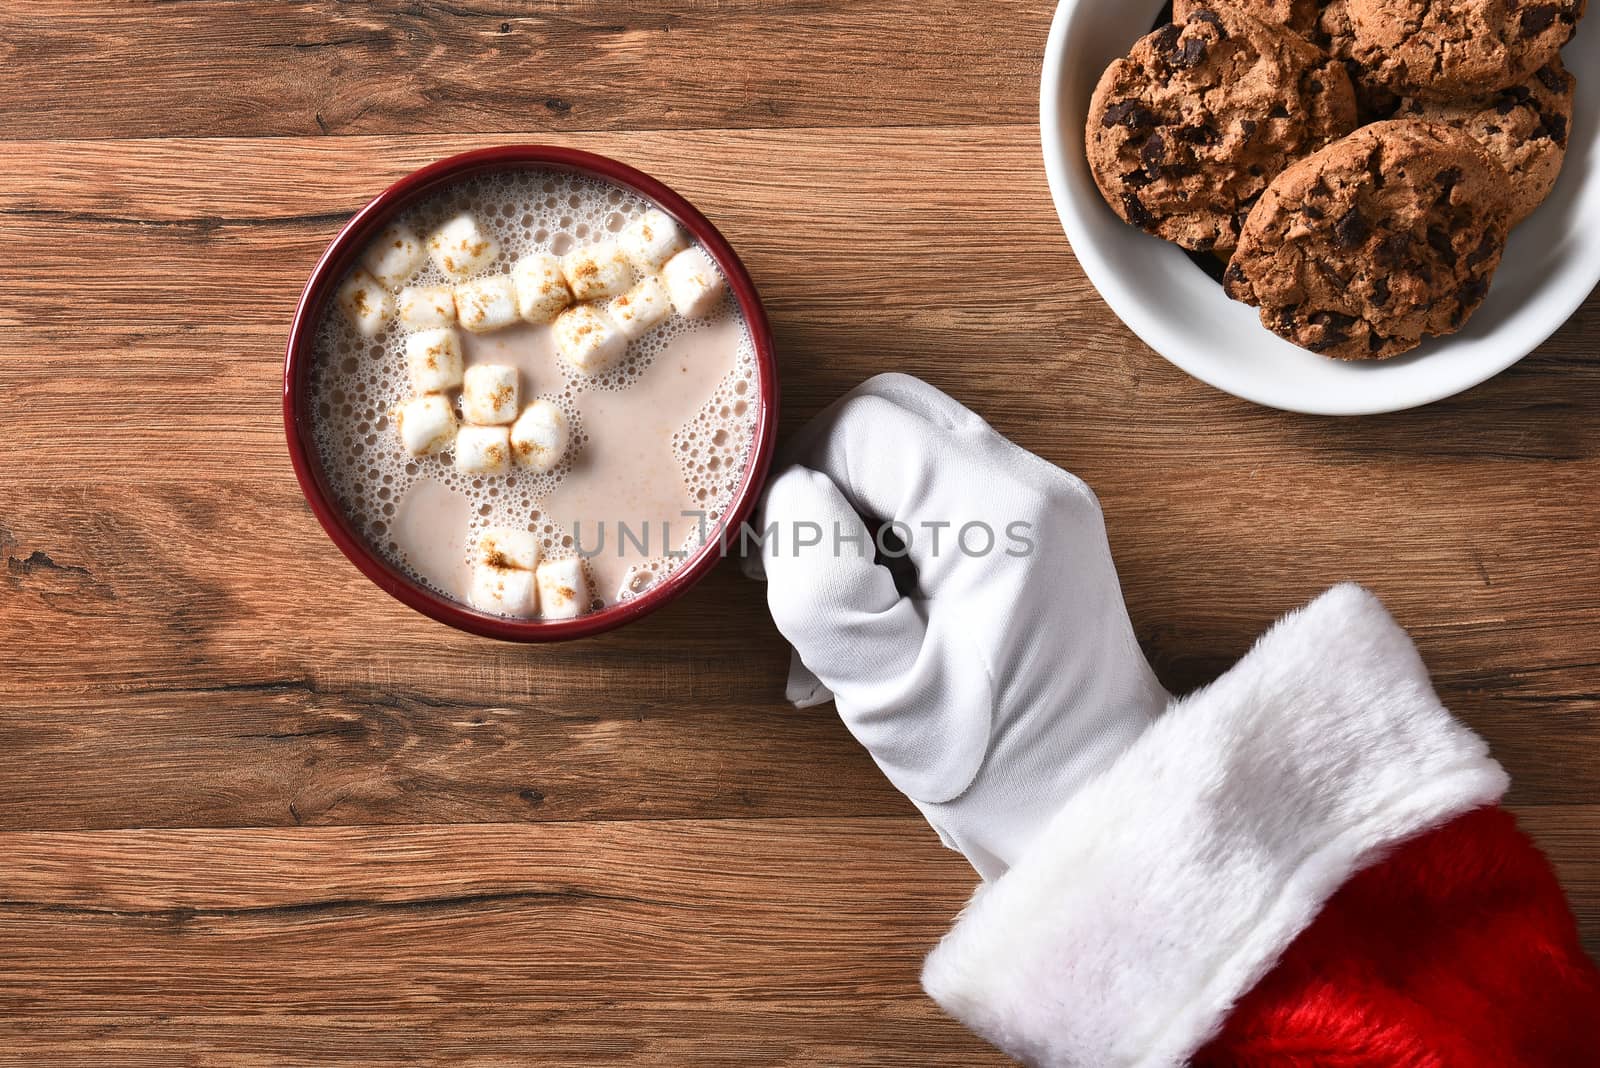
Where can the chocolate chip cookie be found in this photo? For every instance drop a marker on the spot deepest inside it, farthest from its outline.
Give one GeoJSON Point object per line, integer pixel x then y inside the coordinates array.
{"type": "Point", "coordinates": [1186, 131]}
{"type": "Point", "coordinates": [1337, 36]}
{"type": "Point", "coordinates": [1298, 16]}
{"type": "Point", "coordinates": [1524, 129]}
{"type": "Point", "coordinates": [1326, 24]}
{"type": "Point", "coordinates": [1377, 241]}
{"type": "Point", "coordinates": [1448, 49]}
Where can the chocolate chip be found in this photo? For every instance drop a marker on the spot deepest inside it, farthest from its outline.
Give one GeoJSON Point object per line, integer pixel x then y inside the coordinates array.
{"type": "Point", "coordinates": [1204, 134]}
{"type": "Point", "coordinates": [1351, 229]}
{"type": "Point", "coordinates": [1116, 113]}
{"type": "Point", "coordinates": [1233, 276]}
{"type": "Point", "coordinates": [1333, 325]}
{"type": "Point", "coordinates": [1491, 128]}
{"type": "Point", "coordinates": [1506, 106]}
{"type": "Point", "coordinates": [1153, 154]}
{"type": "Point", "coordinates": [1439, 241]}
{"type": "Point", "coordinates": [1247, 127]}
{"type": "Point", "coordinates": [1166, 40]}
{"type": "Point", "coordinates": [1130, 113]}
{"type": "Point", "coordinates": [1278, 112]}
{"type": "Point", "coordinates": [1552, 79]}
{"type": "Point", "coordinates": [1194, 51]}
{"type": "Point", "coordinates": [1213, 18]}
{"type": "Point", "coordinates": [1136, 179]}
{"type": "Point", "coordinates": [1486, 248]}
{"type": "Point", "coordinates": [1204, 244]}
{"type": "Point", "coordinates": [1392, 250]}
{"type": "Point", "coordinates": [1535, 20]}
{"type": "Point", "coordinates": [1138, 214]}
{"type": "Point", "coordinates": [1380, 291]}
{"type": "Point", "coordinates": [1556, 125]}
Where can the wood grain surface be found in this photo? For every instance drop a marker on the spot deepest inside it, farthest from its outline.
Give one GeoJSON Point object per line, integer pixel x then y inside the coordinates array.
{"type": "Point", "coordinates": [254, 812]}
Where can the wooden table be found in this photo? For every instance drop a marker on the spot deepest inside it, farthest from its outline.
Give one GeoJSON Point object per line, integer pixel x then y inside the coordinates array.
{"type": "Point", "coordinates": [257, 813]}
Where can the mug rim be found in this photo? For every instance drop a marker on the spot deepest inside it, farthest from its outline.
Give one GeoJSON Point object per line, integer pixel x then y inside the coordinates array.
{"type": "Point", "coordinates": [330, 270]}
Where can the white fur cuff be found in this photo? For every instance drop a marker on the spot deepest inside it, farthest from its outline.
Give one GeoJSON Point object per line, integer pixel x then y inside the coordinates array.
{"type": "Point", "coordinates": [1165, 889]}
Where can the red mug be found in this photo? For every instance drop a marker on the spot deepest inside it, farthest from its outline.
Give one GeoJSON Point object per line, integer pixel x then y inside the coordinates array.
{"type": "Point", "coordinates": [330, 270]}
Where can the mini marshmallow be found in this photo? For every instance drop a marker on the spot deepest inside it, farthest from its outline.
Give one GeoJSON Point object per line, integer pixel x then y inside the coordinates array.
{"type": "Point", "coordinates": [507, 547]}
{"type": "Point", "coordinates": [651, 239]}
{"type": "Point", "coordinates": [427, 307]}
{"type": "Point", "coordinates": [483, 450]}
{"type": "Point", "coordinates": [694, 283]}
{"type": "Point", "coordinates": [539, 437]}
{"type": "Point", "coordinates": [597, 271]}
{"type": "Point", "coordinates": [541, 287]}
{"type": "Point", "coordinates": [588, 339]}
{"type": "Point", "coordinates": [640, 308]}
{"type": "Point", "coordinates": [486, 303]}
{"type": "Point", "coordinates": [365, 302]}
{"type": "Point", "coordinates": [394, 256]}
{"type": "Point", "coordinates": [489, 394]}
{"type": "Point", "coordinates": [433, 358]}
{"type": "Point", "coordinates": [460, 248]}
{"type": "Point", "coordinates": [427, 424]}
{"type": "Point", "coordinates": [563, 590]}
{"type": "Point", "coordinates": [504, 591]}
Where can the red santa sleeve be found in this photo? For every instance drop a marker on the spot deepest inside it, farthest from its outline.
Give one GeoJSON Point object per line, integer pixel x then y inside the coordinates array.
{"type": "Point", "coordinates": [1298, 865]}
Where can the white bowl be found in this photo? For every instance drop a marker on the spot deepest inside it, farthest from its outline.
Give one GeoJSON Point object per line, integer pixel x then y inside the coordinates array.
{"type": "Point", "coordinates": [1551, 264]}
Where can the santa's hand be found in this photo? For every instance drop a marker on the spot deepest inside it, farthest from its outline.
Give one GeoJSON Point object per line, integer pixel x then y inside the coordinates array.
{"type": "Point", "coordinates": [1001, 672]}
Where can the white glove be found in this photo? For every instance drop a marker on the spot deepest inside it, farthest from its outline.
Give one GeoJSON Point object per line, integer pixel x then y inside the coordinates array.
{"type": "Point", "coordinates": [1000, 681]}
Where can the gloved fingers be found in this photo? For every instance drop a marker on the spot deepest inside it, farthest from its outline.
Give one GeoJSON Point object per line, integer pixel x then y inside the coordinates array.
{"type": "Point", "coordinates": [804, 689]}
{"type": "Point", "coordinates": [913, 394]}
{"type": "Point", "coordinates": [923, 707]}
{"type": "Point", "coordinates": [924, 480]}
{"type": "Point", "coordinates": [943, 412]}
{"type": "Point", "coordinates": [838, 608]}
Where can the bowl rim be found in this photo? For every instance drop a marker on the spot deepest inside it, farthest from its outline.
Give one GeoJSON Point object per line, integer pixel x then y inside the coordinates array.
{"type": "Point", "coordinates": [1055, 145]}
{"type": "Point", "coordinates": [340, 255]}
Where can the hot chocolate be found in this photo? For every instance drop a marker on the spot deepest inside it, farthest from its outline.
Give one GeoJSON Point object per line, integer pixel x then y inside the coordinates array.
{"type": "Point", "coordinates": [536, 359]}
